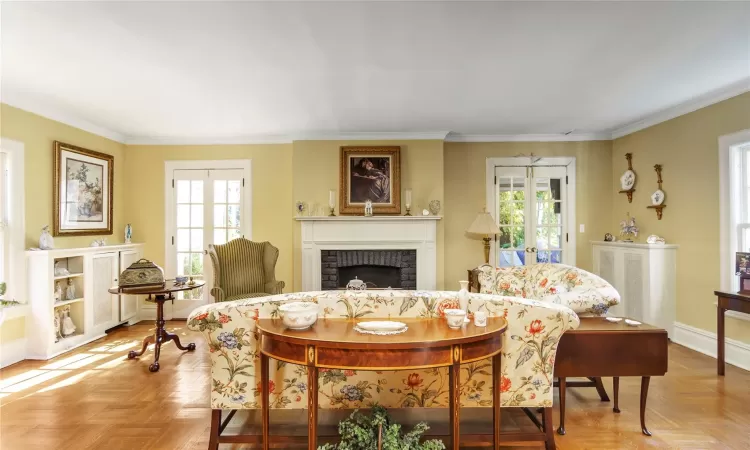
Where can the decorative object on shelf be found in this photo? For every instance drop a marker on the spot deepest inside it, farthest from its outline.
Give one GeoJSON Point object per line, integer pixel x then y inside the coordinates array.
{"type": "Point", "coordinates": [608, 237]}
{"type": "Point", "coordinates": [142, 273]}
{"type": "Point", "coordinates": [632, 323]}
{"type": "Point", "coordinates": [45, 240]}
{"type": "Point", "coordinates": [484, 225]}
{"type": "Point", "coordinates": [480, 319]}
{"type": "Point", "coordinates": [58, 325]}
{"type": "Point", "coordinates": [314, 208]}
{"type": "Point", "coordinates": [356, 285]}
{"type": "Point", "coordinates": [191, 281]}
{"type": "Point", "coordinates": [300, 207]}
{"type": "Point", "coordinates": [70, 291]}
{"type": "Point", "coordinates": [68, 327]}
{"type": "Point", "coordinates": [614, 319]}
{"type": "Point", "coordinates": [379, 425]}
{"type": "Point", "coordinates": [434, 207]}
{"type": "Point", "coordinates": [299, 315]}
{"type": "Point", "coordinates": [58, 292]}
{"type": "Point", "coordinates": [425, 212]}
{"type": "Point", "coordinates": [407, 202]}
{"type": "Point", "coordinates": [60, 271]}
{"type": "Point", "coordinates": [654, 239]}
{"type": "Point", "coordinates": [332, 203]}
{"type": "Point", "coordinates": [368, 208]}
{"type": "Point", "coordinates": [380, 327]}
{"type": "Point", "coordinates": [627, 180]}
{"type": "Point", "coordinates": [180, 280]}
{"type": "Point", "coordinates": [82, 191]}
{"type": "Point", "coordinates": [657, 198]}
{"type": "Point", "coordinates": [101, 242]}
{"type": "Point", "coordinates": [128, 234]}
{"type": "Point", "coordinates": [455, 317]}
{"type": "Point", "coordinates": [370, 173]}
{"type": "Point", "coordinates": [742, 268]}
{"type": "Point", "coordinates": [628, 229]}
{"type": "Point", "coordinates": [463, 298]}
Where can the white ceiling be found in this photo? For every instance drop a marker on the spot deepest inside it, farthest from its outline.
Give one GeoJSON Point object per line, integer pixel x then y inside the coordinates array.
{"type": "Point", "coordinates": [215, 71]}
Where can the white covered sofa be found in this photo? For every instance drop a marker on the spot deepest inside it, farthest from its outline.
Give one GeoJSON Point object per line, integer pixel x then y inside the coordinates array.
{"type": "Point", "coordinates": [529, 349]}
{"type": "Point", "coordinates": [583, 292]}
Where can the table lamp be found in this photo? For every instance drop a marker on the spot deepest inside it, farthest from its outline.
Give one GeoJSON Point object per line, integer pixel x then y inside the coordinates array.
{"type": "Point", "coordinates": [485, 226]}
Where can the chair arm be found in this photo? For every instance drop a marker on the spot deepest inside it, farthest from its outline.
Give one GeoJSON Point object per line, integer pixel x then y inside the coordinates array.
{"type": "Point", "coordinates": [218, 294]}
{"type": "Point", "coordinates": [274, 287]}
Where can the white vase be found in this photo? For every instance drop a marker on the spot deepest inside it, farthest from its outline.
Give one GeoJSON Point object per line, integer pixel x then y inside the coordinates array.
{"type": "Point", "coordinates": [463, 298]}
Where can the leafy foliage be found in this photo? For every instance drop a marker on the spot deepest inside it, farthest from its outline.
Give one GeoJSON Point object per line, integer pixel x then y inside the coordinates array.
{"type": "Point", "coordinates": [360, 432]}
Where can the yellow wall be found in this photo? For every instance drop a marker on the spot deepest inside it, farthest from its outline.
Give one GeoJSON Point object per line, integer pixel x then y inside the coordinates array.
{"type": "Point", "coordinates": [688, 150]}
{"type": "Point", "coordinates": [465, 187]}
{"type": "Point", "coordinates": [12, 330]}
{"type": "Point", "coordinates": [271, 190]}
{"type": "Point", "coordinates": [316, 171]}
{"type": "Point", "coordinates": [37, 135]}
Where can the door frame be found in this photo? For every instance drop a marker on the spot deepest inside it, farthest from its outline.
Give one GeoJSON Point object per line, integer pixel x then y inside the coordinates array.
{"type": "Point", "coordinates": [169, 202]}
{"type": "Point", "coordinates": [569, 162]}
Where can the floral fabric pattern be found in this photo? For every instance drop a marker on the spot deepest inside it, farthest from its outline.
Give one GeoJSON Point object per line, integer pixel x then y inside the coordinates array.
{"type": "Point", "coordinates": [529, 349]}
{"type": "Point", "coordinates": [581, 291]}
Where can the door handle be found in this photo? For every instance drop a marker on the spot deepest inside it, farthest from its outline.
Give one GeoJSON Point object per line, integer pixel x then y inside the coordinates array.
{"type": "Point", "coordinates": [533, 249]}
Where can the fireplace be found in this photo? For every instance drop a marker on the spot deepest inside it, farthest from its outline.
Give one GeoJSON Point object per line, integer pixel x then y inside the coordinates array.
{"type": "Point", "coordinates": [380, 269]}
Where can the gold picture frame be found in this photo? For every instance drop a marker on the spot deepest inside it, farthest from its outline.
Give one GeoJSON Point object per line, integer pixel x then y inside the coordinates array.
{"type": "Point", "coordinates": [370, 173]}
{"type": "Point", "coordinates": [82, 191]}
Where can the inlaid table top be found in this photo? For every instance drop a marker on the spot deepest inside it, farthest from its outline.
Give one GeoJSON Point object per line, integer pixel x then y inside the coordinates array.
{"type": "Point", "coordinates": [167, 288]}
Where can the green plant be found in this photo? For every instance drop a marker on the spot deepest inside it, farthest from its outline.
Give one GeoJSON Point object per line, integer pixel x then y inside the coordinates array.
{"type": "Point", "coordinates": [360, 432]}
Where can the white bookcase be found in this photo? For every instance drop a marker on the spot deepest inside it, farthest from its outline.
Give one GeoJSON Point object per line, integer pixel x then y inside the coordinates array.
{"type": "Point", "coordinates": [92, 271]}
{"type": "Point", "coordinates": [645, 276]}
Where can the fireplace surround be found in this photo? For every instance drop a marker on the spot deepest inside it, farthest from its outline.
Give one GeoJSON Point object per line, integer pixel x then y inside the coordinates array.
{"type": "Point", "coordinates": [396, 269]}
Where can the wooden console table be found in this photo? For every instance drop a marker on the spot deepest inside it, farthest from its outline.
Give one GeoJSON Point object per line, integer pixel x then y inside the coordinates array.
{"type": "Point", "coordinates": [333, 344]}
{"type": "Point", "coordinates": [599, 348]}
{"type": "Point", "coordinates": [728, 301]}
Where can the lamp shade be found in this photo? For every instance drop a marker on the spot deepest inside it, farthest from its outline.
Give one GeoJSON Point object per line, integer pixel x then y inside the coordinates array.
{"type": "Point", "coordinates": [484, 224]}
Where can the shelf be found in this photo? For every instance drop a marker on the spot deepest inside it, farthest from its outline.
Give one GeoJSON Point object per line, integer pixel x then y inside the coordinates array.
{"type": "Point", "coordinates": [72, 275]}
{"type": "Point", "coordinates": [68, 302]}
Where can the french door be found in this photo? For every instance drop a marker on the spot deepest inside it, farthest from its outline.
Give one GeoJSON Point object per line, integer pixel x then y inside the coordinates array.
{"type": "Point", "coordinates": [531, 208]}
{"type": "Point", "coordinates": [208, 206]}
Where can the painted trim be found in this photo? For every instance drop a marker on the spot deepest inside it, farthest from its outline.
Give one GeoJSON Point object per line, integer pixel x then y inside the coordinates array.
{"type": "Point", "coordinates": [12, 352]}
{"type": "Point", "coordinates": [701, 101]}
{"type": "Point", "coordinates": [459, 137]}
{"type": "Point", "coordinates": [211, 140]}
{"type": "Point", "coordinates": [17, 213]}
{"type": "Point", "coordinates": [372, 136]}
{"type": "Point", "coordinates": [736, 353]}
{"type": "Point", "coordinates": [49, 112]}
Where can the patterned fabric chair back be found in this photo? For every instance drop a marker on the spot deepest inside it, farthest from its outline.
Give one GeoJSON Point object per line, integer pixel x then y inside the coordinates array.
{"type": "Point", "coordinates": [242, 266]}
{"type": "Point", "coordinates": [529, 349]}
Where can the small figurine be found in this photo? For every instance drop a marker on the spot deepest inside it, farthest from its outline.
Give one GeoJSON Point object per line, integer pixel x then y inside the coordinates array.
{"type": "Point", "coordinates": [654, 239]}
{"type": "Point", "coordinates": [70, 292]}
{"type": "Point", "coordinates": [60, 271]}
{"type": "Point", "coordinates": [45, 240]}
{"type": "Point", "coordinates": [368, 208]}
{"type": "Point", "coordinates": [128, 233]}
{"type": "Point", "coordinates": [608, 237]}
{"type": "Point", "coordinates": [68, 327]}
{"type": "Point", "coordinates": [58, 292]}
{"type": "Point", "coordinates": [434, 207]}
{"type": "Point", "coordinates": [628, 229]}
{"type": "Point", "coordinates": [57, 325]}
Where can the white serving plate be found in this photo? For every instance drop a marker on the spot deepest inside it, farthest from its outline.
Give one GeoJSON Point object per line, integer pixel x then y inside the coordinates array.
{"type": "Point", "coordinates": [381, 325]}
{"type": "Point", "coordinates": [632, 323]}
{"type": "Point", "coordinates": [614, 319]}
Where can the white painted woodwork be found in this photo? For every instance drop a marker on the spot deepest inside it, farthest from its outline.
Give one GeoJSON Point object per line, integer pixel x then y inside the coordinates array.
{"type": "Point", "coordinates": [369, 233]}
{"type": "Point", "coordinates": [104, 275]}
{"type": "Point", "coordinates": [645, 276]}
{"type": "Point", "coordinates": [128, 303]}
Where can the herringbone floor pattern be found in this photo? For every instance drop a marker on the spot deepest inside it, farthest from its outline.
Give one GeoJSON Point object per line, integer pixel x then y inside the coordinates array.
{"type": "Point", "coordinates": [94, 398]}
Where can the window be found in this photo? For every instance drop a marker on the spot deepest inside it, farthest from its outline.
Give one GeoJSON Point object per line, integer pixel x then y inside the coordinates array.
{"type": "Point", "coordinates": [12, 264]}
{"type": "Point", "coordinates": [734, 178]}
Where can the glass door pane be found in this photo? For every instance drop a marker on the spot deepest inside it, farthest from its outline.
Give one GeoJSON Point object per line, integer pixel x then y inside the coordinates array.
{"type": "Point", "coordinates": [511, 211]}
{"type": "Point", "coordinates": [548, 199]}
{"type": "Point", "coordinates": [189, 236]}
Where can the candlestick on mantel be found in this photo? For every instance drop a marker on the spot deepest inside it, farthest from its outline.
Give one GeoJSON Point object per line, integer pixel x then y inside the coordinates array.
{"type": "Point", "coordinates": [407, 203]}
{"type": "Point", "coordinates": [332, 202]}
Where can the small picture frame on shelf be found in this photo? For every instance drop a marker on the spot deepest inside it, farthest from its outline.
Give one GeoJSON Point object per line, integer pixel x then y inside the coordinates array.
{"type": "Point", "coordinates": [742, 268]}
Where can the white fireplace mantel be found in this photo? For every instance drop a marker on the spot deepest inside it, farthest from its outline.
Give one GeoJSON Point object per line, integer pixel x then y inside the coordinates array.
{"type": "Point", "coordinates": [369, 233]}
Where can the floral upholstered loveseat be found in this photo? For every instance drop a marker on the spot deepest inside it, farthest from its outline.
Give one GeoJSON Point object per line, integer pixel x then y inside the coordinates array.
{"type": "Point", "coordinates": [581, 291]}
{"type": "Point", "coordinates": [529, 349]}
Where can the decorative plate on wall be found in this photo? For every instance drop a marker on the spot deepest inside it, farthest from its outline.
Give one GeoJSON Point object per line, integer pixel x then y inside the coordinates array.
{"type": "Point", "coordinates": [627, 180]}
{"type": "Point", "coordinates": [657, 198]}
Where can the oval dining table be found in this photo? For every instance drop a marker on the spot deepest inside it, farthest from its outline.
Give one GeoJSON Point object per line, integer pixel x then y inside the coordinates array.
{"type": "Point", "coordinates": [427, 343]}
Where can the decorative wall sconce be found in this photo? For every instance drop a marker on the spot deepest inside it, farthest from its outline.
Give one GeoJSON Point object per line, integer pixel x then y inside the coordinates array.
{"type": "Point", "coordinates": [627, 180]}
{"type": "Point", "coordinates": [657, 198]}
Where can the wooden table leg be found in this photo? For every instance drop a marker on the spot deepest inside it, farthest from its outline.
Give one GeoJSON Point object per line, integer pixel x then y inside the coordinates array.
{"type": "Point", "coordinates": [720, 339]}
{"type": "Point", "coordinates": [173, 337]}
{"type": "Point", "coordinates": [549, 434]}
{"type": "Point", "coordinates": [616, 390]}
{"type": "Point", "coordinates": [497, 378]}
{"type": "Point", "coordinates": [159, 333]}
{"type": "Point", "coordinates": [455, 398]}
{"type": "Point", "coordinates": [213, 442]}
{"type": "Point", "coordinates": [600, 389]}
{"type": "Point", "coordinates": [312, 402]}
{"type": "Point", "coordinates": [562, 386]}
{"type": "Point", "coordinates": [264, 400]}
{"type": "Point", "coordinates": [644, 394]}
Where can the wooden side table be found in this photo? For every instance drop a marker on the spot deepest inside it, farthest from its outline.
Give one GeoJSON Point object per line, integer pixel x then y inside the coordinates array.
{"type": "Point", "coordinates": [158, 295]}
{"type": "Point", "coordinates": [728, 301]}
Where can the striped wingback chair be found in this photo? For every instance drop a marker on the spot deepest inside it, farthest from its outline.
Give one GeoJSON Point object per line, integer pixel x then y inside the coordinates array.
{"type": "Point", "coordinates": [244, 269]}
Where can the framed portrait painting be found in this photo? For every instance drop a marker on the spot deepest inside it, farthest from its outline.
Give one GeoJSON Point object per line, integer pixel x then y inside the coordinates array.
{"type": "Point", "coordinates": [370, 173]}
{"type": "Point", "coordinates": [82, 191]}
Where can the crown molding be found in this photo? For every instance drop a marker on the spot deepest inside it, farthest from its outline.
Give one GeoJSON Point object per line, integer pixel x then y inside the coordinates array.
{"type": "Point", "coordinates": [551, 137]}
{"type": "Point", "coordinates": [49, 112]}
{"type": "Point", "coordinates": [372, 136]}
{"type": "Point", "coordinates": [216, 140]}
{"type": "Point", "coordinates": [694, 104]}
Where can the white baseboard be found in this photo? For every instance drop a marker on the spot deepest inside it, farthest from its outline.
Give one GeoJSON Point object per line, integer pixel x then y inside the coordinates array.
{"type": "Point", "coordinates": [12, 352]}
{"type": "Point", "coordinates": [736, 353]}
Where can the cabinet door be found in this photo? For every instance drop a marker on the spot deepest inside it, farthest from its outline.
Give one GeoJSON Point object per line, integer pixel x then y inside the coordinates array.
{"type": "Point", "coordinates": [635, 269]}
{"type": "Point", "coordinates": [128, 303]}
{"type": "Point", "coordinates": [104, 271]}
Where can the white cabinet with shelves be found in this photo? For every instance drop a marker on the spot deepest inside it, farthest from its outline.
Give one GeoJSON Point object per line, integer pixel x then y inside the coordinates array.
{"type": "Point", "coordinates": [83, 275]}
{"type": "Point", "coordinates": [645, 276]}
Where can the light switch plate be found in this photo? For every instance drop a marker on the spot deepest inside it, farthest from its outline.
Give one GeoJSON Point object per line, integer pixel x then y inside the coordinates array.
{"type": "Point", "coordinates": [581, 228]}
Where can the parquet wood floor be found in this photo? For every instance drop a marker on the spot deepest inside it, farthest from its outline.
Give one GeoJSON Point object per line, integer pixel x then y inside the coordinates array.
{"type": "Point", "coordinates": [94, 398]}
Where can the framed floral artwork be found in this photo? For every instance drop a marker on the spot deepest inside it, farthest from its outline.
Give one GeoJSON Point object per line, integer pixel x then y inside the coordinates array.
{"type": "Point", "coordinates": [82, 191]}
{"type": "Point", "coordinates": [370, 173]}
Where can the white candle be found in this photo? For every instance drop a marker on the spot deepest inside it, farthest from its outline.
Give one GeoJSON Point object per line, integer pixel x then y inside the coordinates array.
{"type": "Point", "coordinates": [332, 198]}
{"type": "Point", "coordinates": [408, 198]}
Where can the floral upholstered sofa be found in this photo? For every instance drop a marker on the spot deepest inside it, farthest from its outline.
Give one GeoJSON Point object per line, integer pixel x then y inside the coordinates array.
{"type": "Point", "coordinates": [581, 291]}
{"type": "Point", "coordinates": [529, 349]}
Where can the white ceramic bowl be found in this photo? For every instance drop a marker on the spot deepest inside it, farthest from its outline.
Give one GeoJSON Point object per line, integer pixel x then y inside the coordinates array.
{"type": "Point", "coordinates": [455, 317]}
{"type": "Point", "coordinates": [299, 315]}
{"type": "Point", "coordinates": [381, 325]}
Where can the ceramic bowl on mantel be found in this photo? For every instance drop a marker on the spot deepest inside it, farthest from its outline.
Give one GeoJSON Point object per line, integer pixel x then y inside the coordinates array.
{"type": "Point", "coordinates": [299, 315]}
